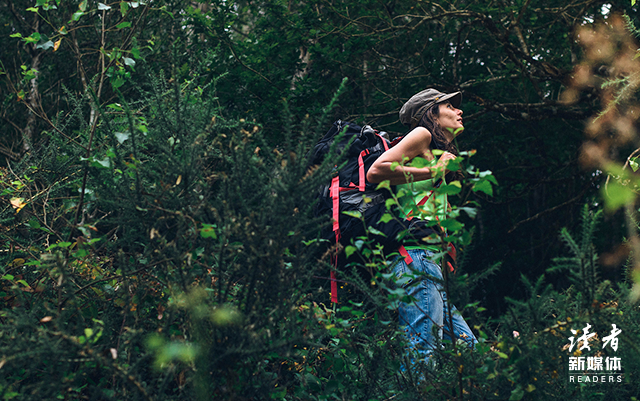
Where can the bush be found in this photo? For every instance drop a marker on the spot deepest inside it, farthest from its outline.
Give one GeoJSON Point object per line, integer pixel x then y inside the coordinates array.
{"type": "Point", "coordinates": [170, 253]}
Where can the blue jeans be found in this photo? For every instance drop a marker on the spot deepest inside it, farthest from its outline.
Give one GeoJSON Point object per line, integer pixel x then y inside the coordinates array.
{"type": "Point", "coordinates": [428, 315]}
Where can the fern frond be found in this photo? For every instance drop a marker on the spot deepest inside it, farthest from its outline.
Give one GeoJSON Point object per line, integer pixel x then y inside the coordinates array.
{"type": "Point", "coordinates": [631, 27]}
{"type": "Point", "coordinates": [571, 243]}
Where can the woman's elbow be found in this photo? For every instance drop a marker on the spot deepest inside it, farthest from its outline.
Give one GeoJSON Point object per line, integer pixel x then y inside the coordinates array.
{"type": "Point", "coordinates": [376, 174]}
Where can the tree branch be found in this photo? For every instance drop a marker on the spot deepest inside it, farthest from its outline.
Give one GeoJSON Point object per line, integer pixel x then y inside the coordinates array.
{"type": "Point", "coordinates": [547, 211]}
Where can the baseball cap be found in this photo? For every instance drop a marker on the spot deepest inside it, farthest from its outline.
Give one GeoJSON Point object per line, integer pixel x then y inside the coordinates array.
{"type": "Point", "coordinates": [413, 110]}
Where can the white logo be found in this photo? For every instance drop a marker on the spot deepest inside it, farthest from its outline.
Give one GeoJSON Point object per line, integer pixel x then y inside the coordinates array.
{"type": "Point", "coordinates": [594, 369]}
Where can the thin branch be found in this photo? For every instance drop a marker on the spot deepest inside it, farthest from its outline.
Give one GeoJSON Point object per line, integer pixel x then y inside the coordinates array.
{"type": "Point", "coordinates": [246, 66]}
{"type": "Point", "coordinates": [547, 211]}
{"type": "Point", "coordinates": [7, 152]}
{"type": "Point", "coordinates": [473, 82]}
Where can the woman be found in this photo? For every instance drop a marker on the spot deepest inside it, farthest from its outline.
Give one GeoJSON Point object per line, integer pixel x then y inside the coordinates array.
{"type": "Point", "coordinates": [435, 119]}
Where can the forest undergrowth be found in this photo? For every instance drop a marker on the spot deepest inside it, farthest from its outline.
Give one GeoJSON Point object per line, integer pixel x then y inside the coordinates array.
{"type": "Point", "coordinates": [168, 252]}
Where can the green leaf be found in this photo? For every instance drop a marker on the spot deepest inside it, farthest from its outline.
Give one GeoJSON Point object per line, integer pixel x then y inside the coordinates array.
{"type": "Point", "coordinates": [389, 203]}
{"type": "Point", "coordinates": [353, 213]}
{"type": "Point", "coordinates": [32, 9]}
{"type": "Point", "coordinates": [88, 332]}
{"type": "Point", "coordinates": [454, 164]}
{"type": "Point", "coordinates": [208, 231]}
{"type": "Point", "coordinates": [33, 223]}
{"type": "Point", "coordinates": [117, 82]}
{"type": "Point", "coordinates": [129, 61]}
{"type": "Point", "coordinates": [450, 189]}
{"type": "Point", "coordinates": [102, 6]}
{"type": "Point", "coordinates": [29, 74]}
{"type": "Point", "coordinates": [34, 38]}
{"type": "Point", "coordinates": [16, 35]}
{"type": "Point", "coordinates": [419, 162]}
{"type": "Point", "coordinates": [451, 224]}
{"type": "Point", "coordinates": [457, 131]}
{"type": "Point", "coordinates": [375, 231]}
{"type": "Point", "coordinates": [349, 250]}
{"type": "Point", "coordinates": [483, 186]}
{"type": "Point", "coordinates": [81, 253]}
{"type": "Point", "coordinates": [83, 6]}
{"type": "Point", "coordinates": [278, 394]}
{"type": "Point", "coordinates": [384, 184]}
{"type": "Point", "coordinates": [225, 315]}
{"type": "Point", "coordinates": [124, 6]}
{"type": "Point", "coordinates": [517, 394]}
{"type": "Point", "coordinates": [387, 217]}
{"type": "Point", "coordinates": [76, 16]}
{"type": "Point", "coordinates": [45, 46]}
{"type": "Point", "coordinates": [122, 136]}
{"type": "Point", "coordinates": [488, 175]}
{"type": "Point", "coordinates": [102, 163]}
{"type": "Point", "coordinates": [123, 25]}
{"type": "Point", "coordinates": [617, 195]}
{"type": "Point", "coordinates": [470, 211]}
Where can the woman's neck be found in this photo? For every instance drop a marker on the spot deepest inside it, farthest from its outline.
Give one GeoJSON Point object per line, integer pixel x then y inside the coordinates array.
{"type": "Point", "coordinates": [448, 135]}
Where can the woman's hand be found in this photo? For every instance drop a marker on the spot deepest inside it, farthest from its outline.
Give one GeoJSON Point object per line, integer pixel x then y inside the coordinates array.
{"type": "Point", "coordinates": [444, 159]}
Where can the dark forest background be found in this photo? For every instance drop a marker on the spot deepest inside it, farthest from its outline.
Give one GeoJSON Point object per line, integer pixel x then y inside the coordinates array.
{"type": "Point", "coordinates": [156, 226]}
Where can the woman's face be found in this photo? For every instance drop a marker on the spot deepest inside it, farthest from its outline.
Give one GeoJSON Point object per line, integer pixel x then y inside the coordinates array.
{"type": "Point", "coordinates": [449, 117]}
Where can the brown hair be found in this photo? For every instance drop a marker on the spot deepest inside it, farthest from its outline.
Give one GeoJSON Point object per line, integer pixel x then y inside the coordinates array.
{"type": "Point", "coordinates": [438, 138]}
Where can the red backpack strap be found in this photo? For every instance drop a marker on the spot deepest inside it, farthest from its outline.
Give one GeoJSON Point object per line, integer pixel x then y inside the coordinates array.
{"type": "Point", "coordinates": [425, 199]}
{"type": "Point", "coordinates": [361, 174]}
{"type": "Point", "coordinates": [335, 197]}
{"type": "Point", "coordinates": [403, 252]}
{"type": "Point", "coordinates": [395, 141]}
{"type": "Point", "coordinates": [452, 254]}
{"type": "Point", "coordinates": [334, 286]}
{"type": "Point", "coordinates": [421, 203]}
{"type": "Point", "coordinates": [384, 142]}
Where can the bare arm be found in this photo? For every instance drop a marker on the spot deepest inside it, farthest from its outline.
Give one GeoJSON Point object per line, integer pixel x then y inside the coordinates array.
{"type": "Point", "coordinates": [415, 144]}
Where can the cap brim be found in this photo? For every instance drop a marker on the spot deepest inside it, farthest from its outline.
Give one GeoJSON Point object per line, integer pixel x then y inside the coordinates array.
{"type": "Point", "coordinates": [454, 98]}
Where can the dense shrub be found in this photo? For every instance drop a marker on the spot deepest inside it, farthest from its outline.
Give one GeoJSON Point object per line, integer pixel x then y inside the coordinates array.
{"type": "Point", "coordinates": [168, 252]}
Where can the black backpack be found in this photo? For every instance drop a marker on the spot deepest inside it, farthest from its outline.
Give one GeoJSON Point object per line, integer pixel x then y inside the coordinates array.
{"type": "Point", "coordinates": [348, 187]}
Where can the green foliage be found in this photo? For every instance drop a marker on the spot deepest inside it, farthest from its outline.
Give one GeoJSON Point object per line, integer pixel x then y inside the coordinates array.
{"type": "Point", "coordinates": [140, 241]}
{"type": "Point", "coordinates": [511, 61]}
{"type": "Point", "coordinates": [156, 229]}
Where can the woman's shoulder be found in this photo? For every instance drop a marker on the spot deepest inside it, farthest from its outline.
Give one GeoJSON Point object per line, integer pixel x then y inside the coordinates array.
{"type": "Point", "coordinates": [418, 135]}
{"type": "Point", "coordinates": [421, 132]}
